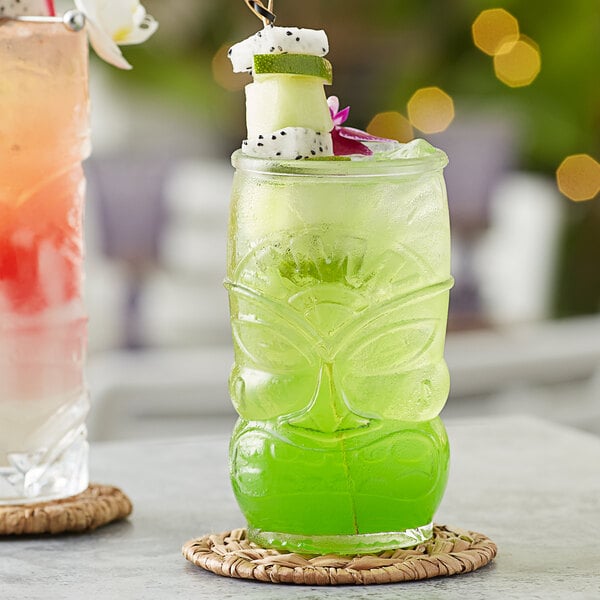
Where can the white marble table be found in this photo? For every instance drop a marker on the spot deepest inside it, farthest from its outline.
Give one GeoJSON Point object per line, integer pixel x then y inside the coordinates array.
{"type": "Point", "coordinates": [532, 487]}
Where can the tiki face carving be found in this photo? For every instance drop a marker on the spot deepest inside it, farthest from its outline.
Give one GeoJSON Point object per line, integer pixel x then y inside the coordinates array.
{"type": "Point", "coordinates": [330, 337]}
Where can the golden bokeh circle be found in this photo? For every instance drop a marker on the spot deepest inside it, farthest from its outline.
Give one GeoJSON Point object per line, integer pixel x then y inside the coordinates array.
{"type": "Point", "coordinates": [517, 64]}
{"type": "Point", "coordinates": [578, 177]}
{"type": "Point", "coordinates": [493, 28]}
{"type": "Point", "coordinates": [391, 125]}
{"type": "Point", "coordinates": [431, 110]}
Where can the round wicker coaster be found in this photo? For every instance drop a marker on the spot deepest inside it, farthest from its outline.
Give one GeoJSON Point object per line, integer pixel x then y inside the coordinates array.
{"type": "Point", "coordinates": [97, 506]}
{"type": "Point", "coordinates": [451, 551]}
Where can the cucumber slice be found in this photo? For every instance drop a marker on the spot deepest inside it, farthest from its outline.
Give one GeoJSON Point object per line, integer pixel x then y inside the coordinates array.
{"type": "Point", "coordinates": [294, 64]}
{"type": "Point", "coordinates": [275, 102]}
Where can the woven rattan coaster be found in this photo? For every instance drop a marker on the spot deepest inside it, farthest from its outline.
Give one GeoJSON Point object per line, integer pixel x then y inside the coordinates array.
{"type": "Point", "coordinates": [97, 506]}
{"type": "Point", "coordinates": [450, 551]}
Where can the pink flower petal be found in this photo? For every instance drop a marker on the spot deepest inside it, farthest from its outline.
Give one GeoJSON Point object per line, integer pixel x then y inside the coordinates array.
{"type": "Point", "coordinates": [345, 147]}
{"type": "Point", "coordinates": [350, 133]}
{"type": "Point", "coordinates": [347, 140]}
{"type": "Point", "coordinates": [334, 105]}
{"type": "Point", "coordinates": [342, 116]}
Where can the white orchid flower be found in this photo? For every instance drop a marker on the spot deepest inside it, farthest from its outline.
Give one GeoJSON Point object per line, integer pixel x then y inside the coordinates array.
{"type": "Point", "coordinates": [114, 23]}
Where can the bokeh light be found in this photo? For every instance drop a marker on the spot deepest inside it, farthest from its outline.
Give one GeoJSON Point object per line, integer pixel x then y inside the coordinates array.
{"type": "Point", "coordinates": [518, 63]}
{"type": "Point", "coordinates": [431, 110]}
{"type": "Point", "coordinates": [493, 28]}
{"type": "Point", "coordinates": [224, 75]}
{"type": "Point", "coordinates": [578, 177]}
{"type": "Point", "coordinates": [392, 125]}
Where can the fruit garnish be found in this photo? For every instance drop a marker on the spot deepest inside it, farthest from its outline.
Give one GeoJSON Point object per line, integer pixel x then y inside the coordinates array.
{"type": "Point", "coordinates": [290, 143]}
{"type": "Point", "coordinates": [274, 102]}
{"type": "Point", "coordinates": [277, 40]}
{"type": "Point", "coordinates": [287, 115]}
{"type": "Point", "coordinates": [294, 64]}
{"type": "Point", "coordinates": [26, 8]}
{"type": "Point", "coordinates": [108, 23]}
{"type": "Point", "coordinates": [329, 158]}
{"type": "Point", "coordinates": [348, 140]}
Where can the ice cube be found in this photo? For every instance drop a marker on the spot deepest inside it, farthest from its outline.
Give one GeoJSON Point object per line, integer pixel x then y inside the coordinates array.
{"type": "Point", "coordinates": [416, 149]}
{"type": "Point", "coordinates": [380, 148]}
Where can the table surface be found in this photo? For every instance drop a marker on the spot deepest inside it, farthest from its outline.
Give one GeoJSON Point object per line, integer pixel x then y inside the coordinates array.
{"type": "Point", "coordinates": [533, 487]}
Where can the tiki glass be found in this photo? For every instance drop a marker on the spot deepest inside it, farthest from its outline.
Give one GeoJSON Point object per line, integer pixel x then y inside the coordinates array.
{"type": "Point", "coordinates": [43, 139]}
{"type": "Point", "coordinates": [338, 277]}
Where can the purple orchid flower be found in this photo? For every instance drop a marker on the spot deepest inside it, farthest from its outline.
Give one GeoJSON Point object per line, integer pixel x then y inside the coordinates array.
{"type": "Point", "coordinates": [347, 140]}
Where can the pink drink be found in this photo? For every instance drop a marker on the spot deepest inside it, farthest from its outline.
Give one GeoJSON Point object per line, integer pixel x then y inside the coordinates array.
{"type": "Point", "coordinates": [43, 139]}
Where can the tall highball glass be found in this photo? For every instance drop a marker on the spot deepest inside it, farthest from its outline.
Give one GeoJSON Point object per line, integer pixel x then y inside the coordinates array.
{"type": "Point", "coordinates": [43, 140]}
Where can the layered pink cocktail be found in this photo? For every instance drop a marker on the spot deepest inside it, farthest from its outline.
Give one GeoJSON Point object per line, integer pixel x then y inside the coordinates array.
{"type": "Point", "coordinates": [43, 139]}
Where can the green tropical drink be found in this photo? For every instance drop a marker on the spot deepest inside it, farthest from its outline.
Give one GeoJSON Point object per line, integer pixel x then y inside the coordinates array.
{"type": "Point", "coordinates": [338, 277]}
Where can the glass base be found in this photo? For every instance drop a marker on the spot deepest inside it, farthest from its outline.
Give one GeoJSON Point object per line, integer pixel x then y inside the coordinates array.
{"type": "Point", "coordinates": [366, 543]}
{"type": "Point", "coordinates": [43, 476]}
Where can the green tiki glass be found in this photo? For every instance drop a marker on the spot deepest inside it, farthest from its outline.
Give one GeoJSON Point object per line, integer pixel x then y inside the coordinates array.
{"type": "Point", "coordinates": [338, 278]}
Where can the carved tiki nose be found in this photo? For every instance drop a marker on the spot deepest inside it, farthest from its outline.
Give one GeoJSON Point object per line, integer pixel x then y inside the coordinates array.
{"type": "Point", "coordinates": [327, 411]}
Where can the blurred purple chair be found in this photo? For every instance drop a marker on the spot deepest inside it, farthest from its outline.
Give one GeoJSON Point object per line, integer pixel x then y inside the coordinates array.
{"type": "Point", "coordinates": [482, 150]}
{"type": "Point", "coordinates": [131, 210]}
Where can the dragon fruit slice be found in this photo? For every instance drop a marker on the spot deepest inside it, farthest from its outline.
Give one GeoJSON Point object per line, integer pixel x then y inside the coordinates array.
{"type": "Point", "coordinates": [277, 40]}
{"type": "Point", "coordinates": [26, 8]}
{"type": "Point", "coordinates": [291, 143]}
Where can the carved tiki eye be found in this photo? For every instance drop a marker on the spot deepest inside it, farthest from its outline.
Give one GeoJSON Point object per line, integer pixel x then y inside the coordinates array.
{"type": "Point", "coordinates": [393, 364]}
{"type": "Point", "coordinates": [276, 367]}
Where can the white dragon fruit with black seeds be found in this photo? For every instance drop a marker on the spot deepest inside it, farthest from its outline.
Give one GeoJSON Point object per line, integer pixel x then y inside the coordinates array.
{"type": "Point", "coordinates": [291, 143]}
{"type": "Point", "coordinates": [26, 8]}
{"type": "Point", "coordinates": [277, 40]}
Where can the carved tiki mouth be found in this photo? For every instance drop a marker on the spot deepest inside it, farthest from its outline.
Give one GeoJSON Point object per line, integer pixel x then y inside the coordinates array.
{"type": "Point", "coordinates": [305, 437]}
{"type": "Point", "coordinates": [334, 437]}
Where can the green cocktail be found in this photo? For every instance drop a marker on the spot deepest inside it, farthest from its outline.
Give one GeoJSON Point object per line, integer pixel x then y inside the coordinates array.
{"type": "Point", "coordinates": [339, 276]}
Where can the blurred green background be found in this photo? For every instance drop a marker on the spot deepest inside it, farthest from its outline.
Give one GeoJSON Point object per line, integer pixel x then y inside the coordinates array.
{"type": "Point", "coordinates": [382, 53]}
{"type": "Point", "coordinates": [391, 49]}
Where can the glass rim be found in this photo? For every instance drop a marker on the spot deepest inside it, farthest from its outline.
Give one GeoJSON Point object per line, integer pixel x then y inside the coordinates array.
{"type": "Point", "coordinates": [340, 168]}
